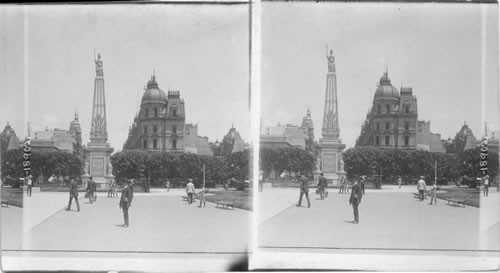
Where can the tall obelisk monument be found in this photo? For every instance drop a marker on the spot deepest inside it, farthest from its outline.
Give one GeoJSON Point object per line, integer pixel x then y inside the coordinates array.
{"type": "Point", "coordinates": [330, 144]}
{"type": "Point", "coordinates": [98, 150]}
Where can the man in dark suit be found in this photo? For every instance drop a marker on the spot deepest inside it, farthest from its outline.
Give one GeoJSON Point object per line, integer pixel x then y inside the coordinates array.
{"type": "Point", "coordinates": [91, 188]}
{"type": "Point", "coordinates": [73, 193]}
{"type": "Point", "coordinates": [126, 200]}
{"type": "Point", "coordinates": [304, 189]}
{"type": "Point", "coordinates": [355, 199]}
{"type": "Point", "coordinates": [322, 185]}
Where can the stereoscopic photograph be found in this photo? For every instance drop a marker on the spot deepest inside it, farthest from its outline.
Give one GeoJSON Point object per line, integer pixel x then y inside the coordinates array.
{"type": "Point", "coordinates": [379, 137]}
{"type": "Point", "coordinates": [125, 137]}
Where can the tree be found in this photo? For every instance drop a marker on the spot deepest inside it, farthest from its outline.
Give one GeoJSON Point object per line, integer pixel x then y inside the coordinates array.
{"type": "Point", "coordinates": [406, 163]}
{"type": "Point", "coordinates": [290, 159]}
{"type": "Point", "coordinates": [43, 164]}
{"type": "Point", "coordinates": [468, 163]}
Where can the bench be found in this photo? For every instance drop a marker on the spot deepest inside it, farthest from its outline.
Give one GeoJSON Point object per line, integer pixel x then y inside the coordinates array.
{"type": "Point", "coordinates": [5, 203]}
{"type": "Point", "coordinates": [457, 199]}
{"type": "Point", "coordinates": [226, 202]}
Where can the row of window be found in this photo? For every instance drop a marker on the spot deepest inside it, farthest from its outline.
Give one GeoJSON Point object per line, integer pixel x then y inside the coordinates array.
{"type": "Point", "coordinates": [388, 125]}
{"type": "Point", "coordinates": [155, 144]}
{"type": "Point", "coordinates": [388, 138]}
{"type": "Point", "coordinates": [155, 112]}
{"type": "Point", "coordinates": [388, 108]}
{"type": "Point", "coordinates": [155, 129]}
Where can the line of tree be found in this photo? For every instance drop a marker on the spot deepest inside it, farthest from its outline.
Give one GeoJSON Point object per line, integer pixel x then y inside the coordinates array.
{"type": "Point", "coordinates": [158, 166]}
{"type": "Point", "coordinates": [286, 159]}
{"type": "Point", "coordinates": [133, 164]}
{"type": "Point", "coordinates": [412, 163]}
{"type": "Point", "coordinates": [43, 163]}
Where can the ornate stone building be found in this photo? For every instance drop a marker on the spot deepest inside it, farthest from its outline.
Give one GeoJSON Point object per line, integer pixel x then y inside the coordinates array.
{"type": "Point", "coordinates": [232, 142]}
{"type": "Point", "coordinates": [308, 126]}
{"type": "Point", "coordinates": [8, 140]}
{"type": "Point", "coordinates": [392, 120]}
{"type": "Point", "coordinates": [289, 135]}
{"type": "Point", "coordinates": [161, 125]}
{"type": "Point", "coordinates": [59, 140]}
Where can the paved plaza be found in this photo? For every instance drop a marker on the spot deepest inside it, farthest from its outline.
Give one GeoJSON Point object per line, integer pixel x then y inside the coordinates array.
{"type": "Point", "coordinates": [162, 225]}
{"type": "Point", "coordinates": [392, 223]}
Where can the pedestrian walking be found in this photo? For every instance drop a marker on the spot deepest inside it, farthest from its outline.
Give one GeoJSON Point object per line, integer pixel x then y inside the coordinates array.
{"type": "Point", "coordinates": [73, 194]}
{"type": "Point", "coordinates": [190, 190]}
{"type": "Point", "coordinates": [113, 189]}
{"type": "Point", "coordinates": [341, 188]}
{"type": "Point", "coordinates": [126, 200]}
{"type": "Point", "coordinates": [91, 189]}
{"type": "Point", "coordinates": [110, 188]}
{"type": "Point", "coordinates": [355, 199]}
{"type": "Point", "coordinates": [421, 188]}
{"type": "Point", "coordinates": [486, 185]}
{"type": "Point", "coordinates": [202, 197]}
{"type": "Point", "coordinates": [322, 185]}
{"type": "Point", "coordinates": [400, 181]}
{"type": "Point", "coordinates": [432, 194]}
{"type": "Point", "coordinates": [363, 180]}
{"type": "Point", "coordinates": [168, 185]}
{"type": "Point", "coordinates": [29, 184]}
{"type": "Point", "coordinates": [304, 190]}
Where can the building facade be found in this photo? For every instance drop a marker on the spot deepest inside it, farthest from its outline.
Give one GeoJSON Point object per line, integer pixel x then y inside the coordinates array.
{"type": "Point", "coordinates": [232, 142]}
{"type": "Point", "coordinates": [289, 135]}
{"type": "Point", "coordinates": [392, 120]}
{"type": "Point", "coordinates": [160, 124]}
{"type": "Point", "coordinates": [58, 139]}
{"type": "Point", "coordinates": [428, 141]}
{"type": "Point", "coordinates": [8, 140]}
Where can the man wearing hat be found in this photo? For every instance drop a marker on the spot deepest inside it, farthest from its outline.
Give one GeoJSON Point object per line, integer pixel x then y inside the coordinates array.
{"type": "Point", "coordinates": [304, 190]}
{"type": "Point", "coordinates": [73, 193]}
{"type": "Point", "coordinates": [29, 183]}
{"type": "Point", "coordinates": [421, 188]}
{"type": "Point", "coordinates": [126, 200]}
{"type": "Point", "coordinates": [91, 189]}
{"type": "Point", "coordinates": [190, 190]}
{"type": "Point", "coordinates": [355, 199]}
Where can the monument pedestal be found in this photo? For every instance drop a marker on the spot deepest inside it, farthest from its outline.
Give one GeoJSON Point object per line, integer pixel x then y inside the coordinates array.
{"type": "Point", "coordinates": [98, 156]}
{"type": "Point", "coordinates": [331, 156]}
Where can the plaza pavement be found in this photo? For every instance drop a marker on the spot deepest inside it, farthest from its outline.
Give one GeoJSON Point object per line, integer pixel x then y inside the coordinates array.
{"type": "Point", "coordinates": [393, 226]}
{"type": "Point", "coordinates": [162, 226]}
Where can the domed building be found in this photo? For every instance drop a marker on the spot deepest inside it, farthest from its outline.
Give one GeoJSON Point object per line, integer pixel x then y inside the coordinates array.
{"type": "Point", "coordinates": [160, 124]}
{"type": "Point", "coordinates": [392, 120]}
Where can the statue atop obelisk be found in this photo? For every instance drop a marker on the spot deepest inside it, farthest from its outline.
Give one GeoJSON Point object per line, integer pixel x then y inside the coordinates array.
{"type": "Point", "coordinates": [330, 144]}
{"type": "Point", "coordinates": [98, 150]}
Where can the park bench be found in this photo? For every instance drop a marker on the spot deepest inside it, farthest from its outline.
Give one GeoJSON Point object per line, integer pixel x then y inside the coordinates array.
{"type": "Point", "coordinates": [5, 203]}
{"type": "Point", "coordinates": [457, 199]}
{"type": "Point", "coordinates": [226, 202]}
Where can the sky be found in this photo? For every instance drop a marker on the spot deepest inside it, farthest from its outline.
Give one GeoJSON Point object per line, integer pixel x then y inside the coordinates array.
{"type": "Point", "coordinates": [446, 52]}
{"type": "Point", "coordinates": [48, 67]}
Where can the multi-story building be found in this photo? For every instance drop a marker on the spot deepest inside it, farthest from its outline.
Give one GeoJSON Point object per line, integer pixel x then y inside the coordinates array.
{"type": "Point", "coordinates": [428, 141]}
{"type": "Point", "coordinates": [232, 142]}
{"type": "Point", "coordinates": [289, 135]}
{"type": "Point", "coordinates": [160, 124]}
{"type": "Point", "coordinates": [8, 140]}
{"type": "Point", "coordinates": [392, 120]}
{"type": "Point", "coordinates": [58, 139]}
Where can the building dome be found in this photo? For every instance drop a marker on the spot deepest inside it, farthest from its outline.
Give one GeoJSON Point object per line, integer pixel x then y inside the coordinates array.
{"type": "Point", "coordinates": [385, 90]}
{"type": "Point", "coordinates": [153, 93]}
